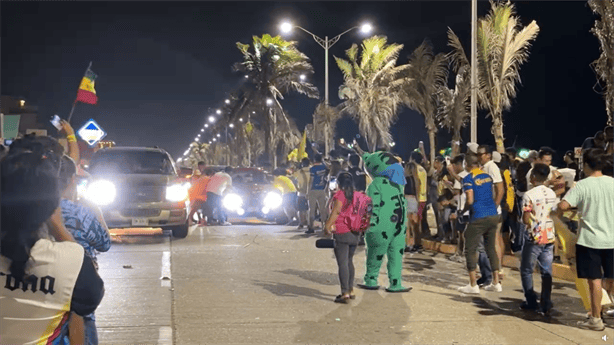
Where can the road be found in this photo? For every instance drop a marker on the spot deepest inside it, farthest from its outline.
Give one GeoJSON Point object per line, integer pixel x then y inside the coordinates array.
{"type": "Point", "coordinates": [266, 284]}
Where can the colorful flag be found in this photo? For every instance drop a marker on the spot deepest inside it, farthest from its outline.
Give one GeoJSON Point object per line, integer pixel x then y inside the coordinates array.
{"type": "Point", "coordinates": [86, 93]}
{"type": "Point", "coordinates": [301, 149]}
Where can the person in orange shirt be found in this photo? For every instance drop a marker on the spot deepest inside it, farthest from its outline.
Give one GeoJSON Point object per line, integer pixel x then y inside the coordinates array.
{"type": "Point", "coordinates": [198, 195]}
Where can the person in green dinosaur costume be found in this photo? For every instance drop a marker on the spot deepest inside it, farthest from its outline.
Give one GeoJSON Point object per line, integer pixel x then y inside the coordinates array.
{"type": "Point", "coordinates": [386, 235]}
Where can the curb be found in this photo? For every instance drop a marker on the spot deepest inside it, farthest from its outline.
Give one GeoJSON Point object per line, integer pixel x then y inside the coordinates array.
{"type": "Point", "coordinates": [560, 271]}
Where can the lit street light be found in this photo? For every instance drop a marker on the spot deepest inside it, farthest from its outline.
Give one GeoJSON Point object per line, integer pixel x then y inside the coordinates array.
{"type": "Point", "coordinates": [302, 77]}
{"type": "Point", "coordinates": [227, 101]}
{"type": "Point", "coordinates": [218, 135]}
{"type": "Point", "coordinates": [214, 139]}
{"type": "Point", "coordinates": [218, 111]}
{"type": "Point", "coordinates": [231, 125]}
{"type": "Point", "coordinates": [211, 119]}
{"type": "Point", "coordinates": [287, 27]}
{"type": "Point", "coordinates": [241, 120]}
{"type": "Point", "coordinates": [206, 125]}
{"type": "Point", "coordinates": [196, 139]}
{"type": "Point", "coordinates": [202, 130]}
{"type": "Point", "coordinates": [269, 101]}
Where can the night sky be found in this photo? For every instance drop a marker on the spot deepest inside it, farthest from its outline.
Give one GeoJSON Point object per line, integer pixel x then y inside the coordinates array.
{"type": "Point", "coordinates": [163, 67]}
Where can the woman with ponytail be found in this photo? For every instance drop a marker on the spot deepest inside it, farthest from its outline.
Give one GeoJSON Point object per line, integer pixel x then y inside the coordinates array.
{"type": "Point", "coordinates": [346, 240]}
{"type": "Point", "coordinates": [41, 282]}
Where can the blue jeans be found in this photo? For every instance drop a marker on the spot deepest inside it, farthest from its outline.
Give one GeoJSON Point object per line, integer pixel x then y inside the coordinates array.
{"type": "Point", "coordinates": [484, 263]}
{"type": "Point", "coordinates": [542, 255]}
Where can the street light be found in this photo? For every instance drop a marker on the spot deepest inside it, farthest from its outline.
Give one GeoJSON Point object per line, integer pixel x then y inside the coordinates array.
{"type": "Point", "coordinates": [241, 120]}
{"type": "Point", "coordinates": [214, 139]}
{"type": "Point", "coordinates": [231, 125]}
{"type": "Point", "coordinates": [211, 119]}
{"type": "Point", "coordinates": [227, 101]}
{"type": "Point", "coordinates": [218, 135]}
{"type": "Point", "coordinates": [269, 101]}
{"type": "Point", "coordinates": [202, 130]}
{"type": "Point", "coordinates": [287, 27]}
{"type": "Point", "coordinates": [302, 76]}
{"type": "Point", "coordinates": [218, 111]}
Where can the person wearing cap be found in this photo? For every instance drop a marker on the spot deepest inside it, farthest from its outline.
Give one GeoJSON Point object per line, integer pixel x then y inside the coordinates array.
{"type": "Point", "coordinates": [485, 155]}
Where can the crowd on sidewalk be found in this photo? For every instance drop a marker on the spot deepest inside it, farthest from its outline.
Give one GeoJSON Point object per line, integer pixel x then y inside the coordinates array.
{"type": "Point", "coordinates": [49, 243]}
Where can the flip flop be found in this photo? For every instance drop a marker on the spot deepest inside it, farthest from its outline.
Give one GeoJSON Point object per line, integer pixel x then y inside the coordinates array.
{"type": "Point", "coordinates": [367, 287]}
{"type": "Point", "coordinates": [402, 290]}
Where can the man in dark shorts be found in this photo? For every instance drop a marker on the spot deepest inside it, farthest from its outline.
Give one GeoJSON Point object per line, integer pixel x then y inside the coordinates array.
{"type": "Point", "coordinates": [592, 197]}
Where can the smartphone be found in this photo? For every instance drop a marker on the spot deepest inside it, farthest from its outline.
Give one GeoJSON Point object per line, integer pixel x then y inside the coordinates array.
{"type": "Point", "coordinates": [55, 121]}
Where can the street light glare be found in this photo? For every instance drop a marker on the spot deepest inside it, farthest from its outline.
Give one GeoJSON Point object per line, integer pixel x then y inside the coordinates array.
{"type": "Point", "coordinates": [218, 111]}
{"type": "Point", "coordinates": [202, 130]}
{"type": "Point", "coordinates": [366, 28]}
{"type": "Point", "coordinates": [286, 27]}
{"type": "Point", "coordinates": [231, 125]}
{"type": "Point", "coordinates": [214, 139]}
{"type": "Point", "coordinates": [211, 119]}
{"type": "Point", "coordinates": [206, 125]}
{"type": "Point", "coordinates": [218, 135]}
{"type": "Point", "coordinates": [303, 77]}
{"type": "Point", "coordinates": [227, 101]}
{"type": "Point", "coordinates": [241, 119]}
{"type": "Point", "coordinates": [269, 101]}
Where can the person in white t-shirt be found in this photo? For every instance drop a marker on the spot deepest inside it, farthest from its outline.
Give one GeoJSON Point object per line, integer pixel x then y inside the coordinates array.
{"type": "Point", "coordinates": [556, 181]}
{"type": "Point", "coordinates": [492, 169]}
{"type": "Point", "coordinates": [594, 199]}
{"type": "Point", "coordinates": [218, 184]}
{"type": "Point", "coordinates": [537, 203]}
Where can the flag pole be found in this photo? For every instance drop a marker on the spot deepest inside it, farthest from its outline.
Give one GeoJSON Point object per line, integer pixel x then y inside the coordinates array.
{"type": "Point", "coordinates": [75, 103]}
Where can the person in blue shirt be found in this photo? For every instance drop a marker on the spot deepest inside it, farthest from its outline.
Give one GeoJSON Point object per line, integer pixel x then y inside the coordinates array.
{"type": "Point", "coordinates": [483, 224]}
{"type": "Point", "coordinates": [316, 194]}
{"type": "Point", "coordinates": [87, 227]}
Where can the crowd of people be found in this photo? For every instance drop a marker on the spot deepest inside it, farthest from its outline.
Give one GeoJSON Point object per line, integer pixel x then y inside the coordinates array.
{"type": "Point", "coordinates": [49, 243]}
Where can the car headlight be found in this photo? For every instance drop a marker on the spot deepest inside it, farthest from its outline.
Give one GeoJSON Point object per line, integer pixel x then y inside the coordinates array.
{"type": "Point", "coordinates": [101, 192]}
{"type": "Point", "coordinates": [272, 200]}
{"type": "Point", "coordinates": [232, 201]}
{"type": "Point", "coordinates": [176, 193]}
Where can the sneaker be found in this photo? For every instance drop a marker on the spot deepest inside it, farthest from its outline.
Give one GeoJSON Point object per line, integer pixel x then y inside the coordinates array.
{"type": "Point", "coordinates": [482, 282]}
{"type": "Point", "coordinates": [470, 290]}
{"type": "Point", "coordinates": [494, 288]}
{"type": "Point", "coordinates": [593, 324]}
{"type": "Point", "coordinates": [527, 306]}
{"type": "Point", "coordinates": [310, 231]}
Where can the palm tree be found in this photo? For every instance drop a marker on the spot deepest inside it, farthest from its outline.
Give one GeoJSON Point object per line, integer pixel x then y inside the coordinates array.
{"type": "Point", "coordinates": [503, 45]}
{"type": "Point", "coordinates": [273, 67]}
{"type": "Point", "coordinates": [604, 65]}
{"type": "Point", "coordinates": [429, 73]}
{"type": "Point", "coordinates": [325, 120]}
{"type": "Point", "coordinates": [454, 110]}
{"type": "Point", "coordinates": [372, 88]}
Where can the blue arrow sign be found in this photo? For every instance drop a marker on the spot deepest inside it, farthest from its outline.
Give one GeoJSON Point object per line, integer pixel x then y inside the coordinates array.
{"type": "Point", "coordinates": [91, 132]}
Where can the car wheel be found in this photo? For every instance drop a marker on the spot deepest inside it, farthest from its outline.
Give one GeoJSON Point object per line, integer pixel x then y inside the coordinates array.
{"type": "Point", "coordinates": [180, 231]}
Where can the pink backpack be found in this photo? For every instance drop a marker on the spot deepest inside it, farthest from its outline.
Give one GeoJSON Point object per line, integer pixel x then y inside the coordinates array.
{"type": "Point", "coordinates": [359, 218]}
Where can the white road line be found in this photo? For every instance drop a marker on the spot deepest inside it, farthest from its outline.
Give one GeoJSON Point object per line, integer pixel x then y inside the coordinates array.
{"type": "Point", "coordinates": [165, 336]}
{"type": "Point", "coordinates": [165, 271]}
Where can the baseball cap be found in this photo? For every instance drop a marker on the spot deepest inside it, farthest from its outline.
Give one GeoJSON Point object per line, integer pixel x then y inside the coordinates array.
{"type": "Point", "coordinates": [473, 147]}
{"type": "Point", "coordinates": [496, 157]}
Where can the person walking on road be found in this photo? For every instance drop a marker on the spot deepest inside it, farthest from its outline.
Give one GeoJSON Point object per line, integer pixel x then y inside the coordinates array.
{"type": "Point", "coordinates": [317, 192]}
{"type": "Point", "coordinates": [592, 197]}
{"type": "Point", "coordinates": [539, 245]}
{"type": "Point", "coordinates": [346, 240]}
{"type": "Point", "coordinates": [483, 224]}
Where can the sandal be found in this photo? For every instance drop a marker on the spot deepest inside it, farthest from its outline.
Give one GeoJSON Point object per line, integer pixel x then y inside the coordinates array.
{"type": "Point", "coordinates": [342, 299]}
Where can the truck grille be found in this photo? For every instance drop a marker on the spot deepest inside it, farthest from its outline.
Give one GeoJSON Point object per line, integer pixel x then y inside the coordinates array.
{"type": "Point", "coordinates": [143, 212]}
{"type": "Point", "coordinates": [144, 194]}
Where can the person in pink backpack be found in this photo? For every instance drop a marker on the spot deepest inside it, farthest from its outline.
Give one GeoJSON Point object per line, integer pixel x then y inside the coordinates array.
{"type": "Point", "coordinates": [349, 219]}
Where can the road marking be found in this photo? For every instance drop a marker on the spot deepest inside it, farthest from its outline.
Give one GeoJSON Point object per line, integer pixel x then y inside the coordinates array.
{"type": "Point", "coordinates": [165, 336]}
{"type": "Point", "coordinates": [165, 271]}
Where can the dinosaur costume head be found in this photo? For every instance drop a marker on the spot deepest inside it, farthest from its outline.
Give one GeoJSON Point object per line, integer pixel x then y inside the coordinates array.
{"type": "Point", "coordinates": [384, 164]}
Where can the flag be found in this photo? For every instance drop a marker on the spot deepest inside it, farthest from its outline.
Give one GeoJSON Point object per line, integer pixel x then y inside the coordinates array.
{"type": "Point", "coordinates": [301, 149]}
{"type": "Point", "coordinates": [86, 93]}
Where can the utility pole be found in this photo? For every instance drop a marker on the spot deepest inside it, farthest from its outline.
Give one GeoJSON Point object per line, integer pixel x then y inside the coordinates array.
{"type": "Point", "coordinates": [474, 74]}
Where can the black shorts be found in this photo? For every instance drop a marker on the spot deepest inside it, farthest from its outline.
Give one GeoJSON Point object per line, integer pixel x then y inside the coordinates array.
{"type": "Point", "coordinates": [590, 263]}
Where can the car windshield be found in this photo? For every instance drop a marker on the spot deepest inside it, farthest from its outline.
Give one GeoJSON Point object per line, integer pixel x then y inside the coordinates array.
{"type": "Point", "coordinates": [131, 162]}
{"type": "Point", "coordinates": [249, 177]}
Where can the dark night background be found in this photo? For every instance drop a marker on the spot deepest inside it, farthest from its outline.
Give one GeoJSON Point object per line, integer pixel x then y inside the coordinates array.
{"type": "Point", "coordinates": [162, 66]}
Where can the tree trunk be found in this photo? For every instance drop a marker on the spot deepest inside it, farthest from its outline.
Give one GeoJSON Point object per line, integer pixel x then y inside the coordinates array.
{"type": "Point", "coordinates": [325, 141]}
{"type": "Point", "coordinates": [498, 133]}
{"type": "Point", "coordinates": [432, 147]}
{"type": "Point", "coordinates": [456, 138]}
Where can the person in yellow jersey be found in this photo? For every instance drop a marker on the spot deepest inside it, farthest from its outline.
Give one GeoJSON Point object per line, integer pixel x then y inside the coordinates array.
{"type": "Point", "coordinates": [288, 193]}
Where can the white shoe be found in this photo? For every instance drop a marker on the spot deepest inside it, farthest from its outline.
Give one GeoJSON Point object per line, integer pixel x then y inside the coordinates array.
{"type": "Point", "coordinates": [470, 290]}
{"type": "Point", "coordinates": [226, 224]}
{"type": "Point", "coordinates": [494, 288]}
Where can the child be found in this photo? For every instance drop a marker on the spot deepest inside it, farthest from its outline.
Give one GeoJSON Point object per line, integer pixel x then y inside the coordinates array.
{"type": "Point", "coordinates": [537, 204]}
{"type": "Point", "coordinates": [346, 240]}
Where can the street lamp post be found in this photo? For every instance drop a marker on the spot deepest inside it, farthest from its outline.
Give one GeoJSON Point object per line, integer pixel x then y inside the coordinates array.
{"type": "Point", "coordinates": [474, 74]}
{"type": "Point", "coordinates": [326, 44]}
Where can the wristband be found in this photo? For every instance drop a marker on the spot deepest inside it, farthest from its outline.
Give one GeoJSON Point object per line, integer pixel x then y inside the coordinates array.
{"type": "Point", "coordinates": [71, 138]}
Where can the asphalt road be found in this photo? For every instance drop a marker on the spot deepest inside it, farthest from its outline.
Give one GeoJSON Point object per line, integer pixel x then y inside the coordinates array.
{"type": "Point", "coordinates": [266, 284]}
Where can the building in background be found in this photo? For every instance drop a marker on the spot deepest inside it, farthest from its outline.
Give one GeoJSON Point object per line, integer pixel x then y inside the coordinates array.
{"type": "Point", "coordinates": [19, 118]}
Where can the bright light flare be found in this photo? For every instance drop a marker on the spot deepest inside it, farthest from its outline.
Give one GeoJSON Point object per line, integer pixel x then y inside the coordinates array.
{"type": "Point", "coordinates": [233, 202]}
{"type": "Point", "coordinates": [227, 101]}
{"type": "Point", "coordinates": [211, 119]}
{"type": "Point", "coordinates": [218, 111]}
{"type": "Point", "coordinates": [286, 27]}
{"type": "Point", "coordinates": [272, 200]}
{"type": "Point", "coordinates": [231, 125]}
{"type": "Point", "coordinates": [177, 192]}
{"type": "Point", "coordinates": [269, 101]}
{"type": "Point", "coordinates": [302, 77]}
{"type": "Point", "coordinates": [202, 130]}
{"type": "Point", "coordinates": [366, 28]}
{"type": "Point", "coordinates": [101, 192]}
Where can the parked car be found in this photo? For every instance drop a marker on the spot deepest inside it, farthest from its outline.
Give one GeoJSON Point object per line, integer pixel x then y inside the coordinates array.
{"type": "Point", "coordinates": [138, 187]}
{"type": "Point", "coordinates": [253, 195]}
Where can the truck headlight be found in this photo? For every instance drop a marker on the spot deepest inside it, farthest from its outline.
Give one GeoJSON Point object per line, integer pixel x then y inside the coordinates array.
{"type": "Point", "coordinates": [176, 193]}
{"type": "Point", "coordinates": [101, 192]}
{"type": "Point", "coordinates": [232, 201]}
{"type": "Point", "coordinates": [272, 200]}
